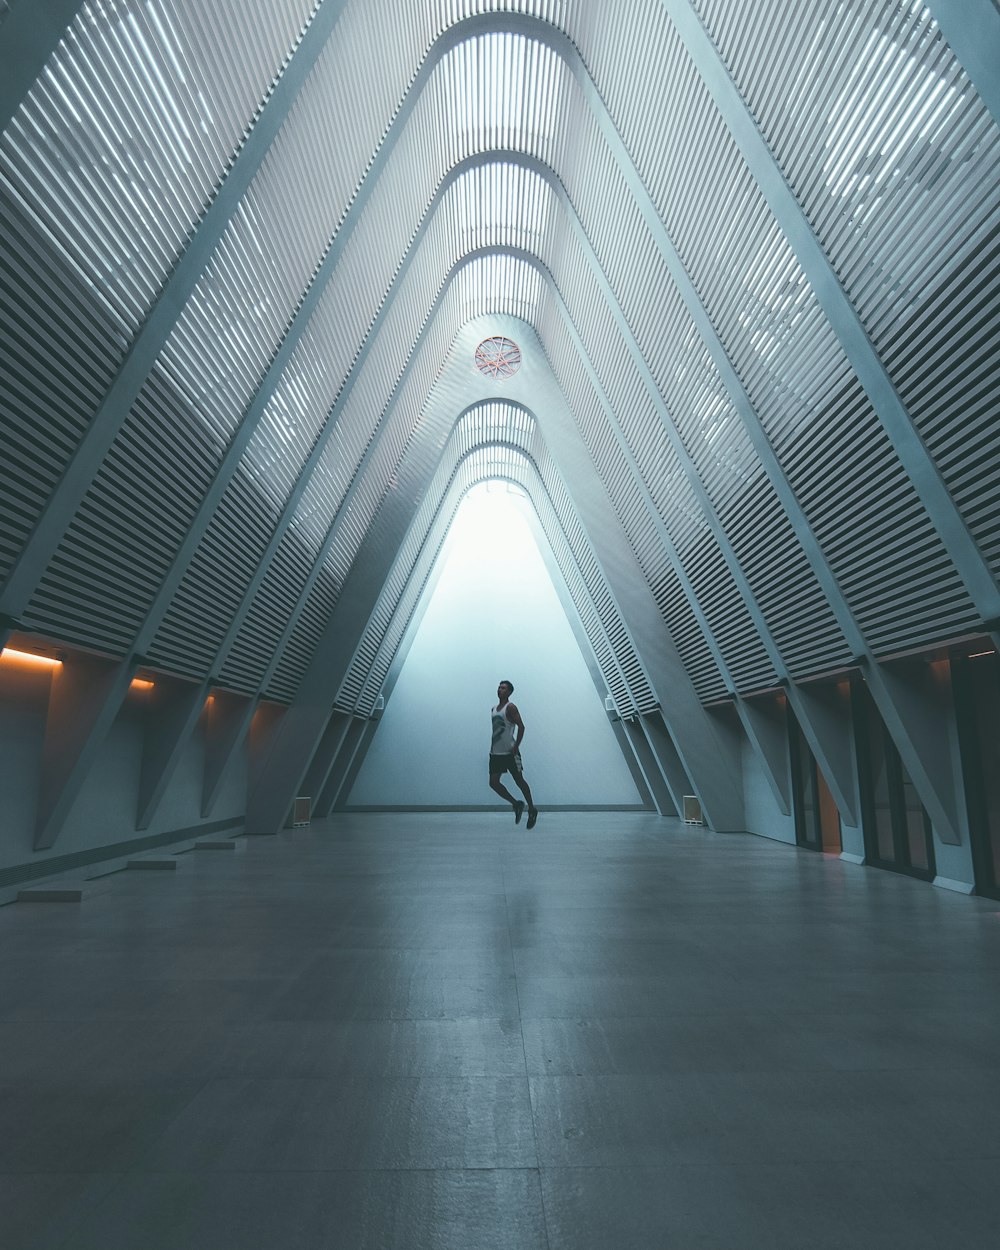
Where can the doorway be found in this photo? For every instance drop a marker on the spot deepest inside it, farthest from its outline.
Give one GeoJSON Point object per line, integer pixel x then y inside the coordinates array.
{"type": "Point", "coordinates": [817, 819]}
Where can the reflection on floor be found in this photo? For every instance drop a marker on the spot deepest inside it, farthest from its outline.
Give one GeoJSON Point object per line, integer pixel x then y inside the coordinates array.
{"type": "Point", "coordinates": [443, 1031]}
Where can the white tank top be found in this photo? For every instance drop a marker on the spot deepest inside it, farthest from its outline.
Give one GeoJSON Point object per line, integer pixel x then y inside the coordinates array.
{"type": "Point", "coordinates": [503, 732]}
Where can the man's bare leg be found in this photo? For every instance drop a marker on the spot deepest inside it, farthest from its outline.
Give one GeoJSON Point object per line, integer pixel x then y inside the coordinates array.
{"type": "Point", "coordinates": [497, 785]}
{"type": "Point", "coordinates": [525, 789]}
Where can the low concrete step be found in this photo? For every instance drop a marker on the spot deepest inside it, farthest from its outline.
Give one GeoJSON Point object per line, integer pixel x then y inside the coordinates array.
{"type": "Point", "coordinates": [153, 863]}
{"type": "Point", "coordinates": [69, 890]}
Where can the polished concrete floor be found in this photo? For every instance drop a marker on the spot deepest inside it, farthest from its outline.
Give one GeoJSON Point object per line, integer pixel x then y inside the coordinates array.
{"type": "Point", "coordinates": [446, 1032]}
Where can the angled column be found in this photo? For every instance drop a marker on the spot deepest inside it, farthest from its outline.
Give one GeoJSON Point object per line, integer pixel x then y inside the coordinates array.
{"type": "Point", "coordinates": [652, 775]}
{"type": "Point", "coordinates": [227, 723]}
{"type": "Point", "coordinates": [824, 715]}
{"type": "Point", "coordinates": [85, 697]}
{"type": "Point", "coordinates": [280, 775]}
{"type": "Point", "coordinates": [325, 757]}
{"type": "Point", "coordinates": [918, 695]}
{"type": "Point", "coordinates": [174, 707]}
{"type": "Point", "coordinates": [349, 764]}
{"type": "Point", "coordinates": [765, 723]}
{"type": "Point", "coordinates": [972, 28]}
{"type": "Point", "coordinates": [670, 763]}
{"type": "Point", "coordinates": [31, 33]}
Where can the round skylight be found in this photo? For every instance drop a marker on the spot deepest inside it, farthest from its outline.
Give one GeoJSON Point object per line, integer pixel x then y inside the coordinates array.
{"type": "Point", "coordinates": [498, 357]}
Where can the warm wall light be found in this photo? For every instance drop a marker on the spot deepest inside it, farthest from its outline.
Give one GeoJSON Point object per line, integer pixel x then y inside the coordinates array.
{"type": "Point", "coordinates": [140, 683]}
{"type": "Point", "coordinates": [28, 657]}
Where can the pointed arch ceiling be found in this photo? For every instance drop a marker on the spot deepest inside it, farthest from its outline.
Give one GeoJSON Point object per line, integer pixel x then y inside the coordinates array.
{"type": "Point", "coordinates": [245, 245]}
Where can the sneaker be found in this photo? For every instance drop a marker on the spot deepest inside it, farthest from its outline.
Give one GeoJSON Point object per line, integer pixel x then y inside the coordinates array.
{"type": "Point", "coordinates": [518, 811]}
{"type": "Point", "coordinates": [532, 817]}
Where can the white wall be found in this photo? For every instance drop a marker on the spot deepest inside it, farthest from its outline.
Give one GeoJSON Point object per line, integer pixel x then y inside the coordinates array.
{"type": "Point", "coordinates": [494, 614]}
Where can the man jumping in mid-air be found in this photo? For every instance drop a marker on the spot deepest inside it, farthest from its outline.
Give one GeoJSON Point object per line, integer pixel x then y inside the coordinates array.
{"type": "Point", "coordinates": [505, 756]}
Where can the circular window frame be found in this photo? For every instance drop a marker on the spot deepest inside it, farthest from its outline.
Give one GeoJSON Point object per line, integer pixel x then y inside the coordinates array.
{"type": "Point", "coordinates": [497, 357]}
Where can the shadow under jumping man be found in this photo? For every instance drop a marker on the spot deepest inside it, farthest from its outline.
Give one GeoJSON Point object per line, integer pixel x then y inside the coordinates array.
{"type": "Point", "coordinates": [505, 757]}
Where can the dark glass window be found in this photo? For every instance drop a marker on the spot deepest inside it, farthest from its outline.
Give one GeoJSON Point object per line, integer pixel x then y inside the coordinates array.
{"type": "Point", "coordinates": [977, 708]}
{"type": "Point", "coordinates": [897, 828]}
{"type": "Point", "coordinates": [817, 821]}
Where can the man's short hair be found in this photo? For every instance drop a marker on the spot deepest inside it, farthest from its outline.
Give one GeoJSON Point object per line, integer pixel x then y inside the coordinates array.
{"type": "Point", "coordinates": [505, 682]}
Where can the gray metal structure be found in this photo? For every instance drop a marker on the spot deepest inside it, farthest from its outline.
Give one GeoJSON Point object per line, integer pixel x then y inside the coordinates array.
{"type": "Point", "coordinates": [749, 254]}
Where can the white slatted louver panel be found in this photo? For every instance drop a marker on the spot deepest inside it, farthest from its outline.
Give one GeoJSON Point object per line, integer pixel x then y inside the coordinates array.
{"type": "Point", "coordinates": [104, 170]}
{"type": "Point", "coordinates": [622, 672]}
{"type": "Point", "coordinates": [738, 640]}
{"type": "Point", "coordinates": [637, 269]}
{"type": "Point", "coordinates": [218, 316]}
{"type": "Point", "coordinates": [215, 359]}
{"type": "Point", "coordinates": [501, 90]}
{"type": "Point", "coordinates": [775, 334]}
{"type": "Point", "coordinates": [58, 352]}
{"type": "Point", "coordinates": [381, 505]}
{"type": "Point", "coordinates": [797, 614]}
{"type": "Point", "coordinates": [291, 423]}
{"type": "Point", "coordinates": [688, 387]}
{"type": "Point", "coordinates": [327, 491]}
{"type": "Point", "coordinates": [120, 544]}
{"type": "Point", "coordinates": [896, 161]}
{"type": "Point", "coordinates": [500, 205]}
{"type": "Point", "coordinates": [440, 14]}
{"type": "Point", "coordinates": [707, 678]}
{"type": "Point", "coordinates": [212, 365]}
{"type": "Point", "coordinates": [126, 132]}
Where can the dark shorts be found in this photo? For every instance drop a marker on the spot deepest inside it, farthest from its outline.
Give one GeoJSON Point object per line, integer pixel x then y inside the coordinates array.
{"type": "Point", "coordinates": [505, 764]}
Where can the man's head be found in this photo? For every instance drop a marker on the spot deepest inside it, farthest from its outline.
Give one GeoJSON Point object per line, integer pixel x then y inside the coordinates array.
{"type": "Point", "coordinates": [505, 690]}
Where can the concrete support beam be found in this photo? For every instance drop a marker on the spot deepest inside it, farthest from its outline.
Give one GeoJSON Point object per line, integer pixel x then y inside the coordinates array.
{"type": "Point", "coordinates": [634, 767]}
{"type": "Point", "coordinates": [325, 756]}
{"type": "Point", "coordinates": [31, 33]}
{"type": "Point", "coordinates": [674, 773]}
{"type": "Point", "coordinates": [972, 28]}
{"type": "Point", "coordinates": [85, 696]}
{"type": "Point", "coordinates": [823, 711]}
{"type": "Point", "coordinates": [652, 774]}
{"type": "Point", "coordinates": [916, 702]}
{"type": "Point", "coordinates": [339, 790]}
{"type": "Point", "coordinates": [765, 724]}
{"type": "Point", "coordinates": [227, 724]}
{"type": "Point", "coordinates": [173, 709]}
{"type": "Point", "coordinates": [279, 778]}
{"type": "Point", "coordinates": [708, 757]}
{"type": "Point", "coordinates": [264, 726]}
